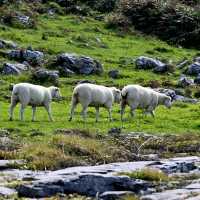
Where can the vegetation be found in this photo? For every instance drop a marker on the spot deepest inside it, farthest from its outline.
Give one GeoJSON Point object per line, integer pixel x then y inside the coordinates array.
{"type": "Point", "coordinates": [148, 175]}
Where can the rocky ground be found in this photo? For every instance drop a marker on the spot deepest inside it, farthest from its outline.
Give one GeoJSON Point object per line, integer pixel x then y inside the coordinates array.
{"type": "Point", "coordinates": [105, 181]}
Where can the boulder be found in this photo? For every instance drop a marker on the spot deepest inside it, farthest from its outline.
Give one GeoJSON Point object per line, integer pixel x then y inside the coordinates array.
{"type": "Point", "coordinates": [185, 81]}
{"type": "Point", "coordinates": [32, 57]}
{"type": "Point", "coordinates": [78, 64]}
{"type": "Point", "coordinates": [14, 69]}
{"type": "Point", "coordinates": [7, 44]}
{"type": "Point", "coordinates": [194, 69]}
{"type": "Point", "coordinates": [113, 74]}
{"type": "Point", "coordinates": [149, 63]}
{"type": "Point", "coordinates": [85, 184]}
{"type": "Point", "coordinates": [197, 79]}
{"type": "Point", "coordinates": [43, 75]}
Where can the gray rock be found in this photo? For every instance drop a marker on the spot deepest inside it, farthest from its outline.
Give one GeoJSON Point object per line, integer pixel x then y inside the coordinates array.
{"type": "Point", "coordinates": [46, 75]}
{"type": "Point", "coordinates": [113, 195]}
{"type": "Point", "coordinates": [182, 64]}
{"type": "Point", "coordinates": [22, 19]}
{"type": "Point", "coordinates": [149, 63]}
{"type": "Point", "coordinates": [86, 184]}
{"type": "Point", "coordinates": [7, 192]}
{"type": "Point", "coordinates": [197, 59]}
{"type": "Point", "coordinates": [161, 69]}
{"type": "Point", "coordinates": [197, 79]}
{"type": "Point", "coordinates": [14, 69]}
{"type": "Point", "coordinates": [174, 165]}
{"type": "Point", "coordinates": [185, 81]}
{"type": "Point", "coordinates": [168, 92]}
{"type": "Point", "coordinates": [7, 164]}
{"type": "Point", "coordinates": [78, 64]}
{"type": "Point", "coordinates": [194, 69]}
{"type": "Point", "coordinates": [178, 194]}
{"type": "Point", "coordinates": [113, 74]}
{"type": "Point", "coordinates": [7, 44]}
{"type": "Point", "coordinates": [32, 57]}
{"type": "Point", "coordinates": [185, 99]}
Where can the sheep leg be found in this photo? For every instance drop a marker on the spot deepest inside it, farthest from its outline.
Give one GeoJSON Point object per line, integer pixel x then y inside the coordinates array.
{"type": "Point", "coordinates": [97, 114]}
{"type": "Point", "coordinates": [12, 106]}
{"type": "Point", "coordinates": [123, 106]}
{"type": "Point", "coordinates": [74, 104]}
{"type": "Point", "coordinates": [48, 109]}
{"type": "Point", "coordinates": [22, 108]}
{"type": "Point", "coordinates": [33, 113]}
{"type": "Point", "coordinates": [84, 113]}
{"type": "Point", "coordinates": [110, 114]}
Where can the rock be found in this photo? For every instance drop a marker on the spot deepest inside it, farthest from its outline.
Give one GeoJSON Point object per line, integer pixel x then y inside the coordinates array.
{"type": "Point", "coordinates": [7, 164]}
{"type": "Point", "coordinates": [113, 195]}
{"type": "Point", "coordinates": [161, 69]}
{"type": "Point", "coordinates": [14, 69]}
{"type": "Point", "coordinates": [177, 194]}
{"type": "Point", "coordinates": [185, 99]}
{"type": "Point", "coordinates": [197, 59]}
{"type": "Point", "coordinates": [7, 192]}
{"type": "Point", "coordinates": [78, 64]}
{"type": "Point", "coordinates": [43, 75]}
{"type": "Point", "coordinates": [115, 131]}
{"type": "Point", "coordinates": [174, 165]}
{"type": "Point", "coordinates": [7, 44]}
{"type": "Point", "coordinates": [168, 92]}
{"type": "Point", "coordinates": [113, 74]}
{"type": "Point", "coordinates": [197, 79]}
{"type": "Point", "coordinates": [185, 81]}
{"type": "Point", "coordinates": [182, 64]}
{"type": "Point", "coordinates": [194, 69]}
{"type": "Point", "coordinates": [85, 184]}
{"type": "Point", "coordinates": [149, 63]}
{"type": "Point", "coordinates": [85, 81]}
{"type": "Point", "coordinates": [32, 57]}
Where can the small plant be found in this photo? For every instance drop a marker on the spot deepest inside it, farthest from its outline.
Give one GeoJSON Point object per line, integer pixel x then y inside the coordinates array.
{"type": "Point", "coordinates": [148, 175]}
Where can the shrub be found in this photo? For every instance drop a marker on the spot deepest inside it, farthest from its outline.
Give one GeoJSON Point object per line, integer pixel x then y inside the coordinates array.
{"type": "Point", "coordinates": [153, 16]}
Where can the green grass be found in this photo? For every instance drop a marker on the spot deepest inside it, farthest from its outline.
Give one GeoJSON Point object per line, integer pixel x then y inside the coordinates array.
{"type": "Point", "coordinates": [148, 175]}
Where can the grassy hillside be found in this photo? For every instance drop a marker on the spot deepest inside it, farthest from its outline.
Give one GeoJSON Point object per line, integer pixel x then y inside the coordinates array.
{"type": "Point", "coordinates": [115, 50]}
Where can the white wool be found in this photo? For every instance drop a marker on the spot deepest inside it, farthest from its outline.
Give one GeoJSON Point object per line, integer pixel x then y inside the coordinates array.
{"type": "Point", "coordinates": [33, 95]}
{"type": "Point", "coordinates": [147, 99]}
{"type": "Point", "coordinates": [91, 95]}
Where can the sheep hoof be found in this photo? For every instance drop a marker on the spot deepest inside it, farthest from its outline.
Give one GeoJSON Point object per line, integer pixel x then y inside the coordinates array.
{"type": "Point", "coordinates": [10, 119]}
{"type": "Point", "coordinates": [70, 119]}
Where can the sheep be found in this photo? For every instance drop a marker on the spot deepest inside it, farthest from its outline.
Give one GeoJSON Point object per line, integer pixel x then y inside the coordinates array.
{"type": "Point", "coordinates": [33, 95]}
{"type": "Point", "coordinates": [91, 95]}
{"type": "Point", "coordinates": [147, 99]}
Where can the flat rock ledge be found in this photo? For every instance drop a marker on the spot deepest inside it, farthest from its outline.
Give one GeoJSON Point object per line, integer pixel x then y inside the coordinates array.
{"type": "Point", "coordinates": [104, 181]}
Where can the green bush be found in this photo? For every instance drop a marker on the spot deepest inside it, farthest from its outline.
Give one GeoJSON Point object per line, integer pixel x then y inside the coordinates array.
{"type": "Point", "coordinates": [169, 21]}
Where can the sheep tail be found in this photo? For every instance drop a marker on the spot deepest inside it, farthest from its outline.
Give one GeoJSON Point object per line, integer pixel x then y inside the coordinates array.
{"type": "Point", "coordinates": [75, 97]}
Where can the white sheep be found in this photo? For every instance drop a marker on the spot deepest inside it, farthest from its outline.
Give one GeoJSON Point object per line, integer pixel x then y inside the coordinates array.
{"type": "Point", "coordinates": [33, 95]}
{"type": "Point", "coordinates": [146, 99]}
{"type": "Point", "coordinates": [91, 95]}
